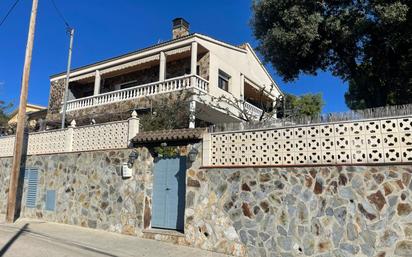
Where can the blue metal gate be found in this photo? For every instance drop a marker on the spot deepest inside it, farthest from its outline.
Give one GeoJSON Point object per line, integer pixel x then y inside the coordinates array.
{"type": "Point", "coordinates": [169, 193]}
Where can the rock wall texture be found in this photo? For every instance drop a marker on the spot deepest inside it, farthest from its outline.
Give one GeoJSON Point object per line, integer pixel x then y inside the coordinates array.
{"type": "Point", "coordinates": [140, 77]}
{"type": "Point", "coordinates": [319, 211]}
{"type": "Point", "coordinates": [90, 191]}
{"type": "Point", "coordinates": [5, 166]}
{"type": "Point", "coordinates": [204, 63]}
{"type": "Point", "coordinates": [55, 97]}
{"type": "Point", "coordinates": [327, 211]}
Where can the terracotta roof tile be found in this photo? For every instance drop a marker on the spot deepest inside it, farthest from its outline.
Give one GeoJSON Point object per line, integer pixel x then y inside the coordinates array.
{"type": "Point", "coordinates": [169, 135]}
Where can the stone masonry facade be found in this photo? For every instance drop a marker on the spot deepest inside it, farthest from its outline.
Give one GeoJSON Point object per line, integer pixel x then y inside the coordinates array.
{"type": "Point", "coordinates": [90, 191]}
{"type": "Point", "coordinates": [55, 98]}
{"type": "Point", "coordinates": [316, 211]}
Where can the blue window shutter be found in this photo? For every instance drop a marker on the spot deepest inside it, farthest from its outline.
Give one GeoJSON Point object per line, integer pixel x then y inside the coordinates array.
{"type": "Point", "coordinates": [32, 188]}
{"type": "Point", "coordinates": [50, 200]}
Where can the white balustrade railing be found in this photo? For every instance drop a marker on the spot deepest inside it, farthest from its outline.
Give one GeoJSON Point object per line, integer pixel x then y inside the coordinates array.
{"type": "Point", "coordinates": [160, 87]}
{"type": "Point", "coordinates": [253, 110]}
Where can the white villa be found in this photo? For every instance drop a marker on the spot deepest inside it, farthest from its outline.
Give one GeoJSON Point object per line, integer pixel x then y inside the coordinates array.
{"type": "Point", "coordinates": [193, 62]}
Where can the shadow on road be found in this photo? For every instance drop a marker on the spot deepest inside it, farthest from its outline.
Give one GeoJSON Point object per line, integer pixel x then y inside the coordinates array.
{"type": "Point", "coordinates": [14, 238]}
{"type": "Point", "coordinates": [25, 229]}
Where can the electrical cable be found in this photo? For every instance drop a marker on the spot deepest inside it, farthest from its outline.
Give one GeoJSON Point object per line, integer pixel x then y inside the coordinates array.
{"type": "Point", "coordinates": [8, 12]}
{"type": "Point", "coordinates": [60, 14]}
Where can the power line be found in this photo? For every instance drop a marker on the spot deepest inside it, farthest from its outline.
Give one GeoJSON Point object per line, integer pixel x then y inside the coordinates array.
{"type": "Point", "coordinates": [60, 14]}
{"type": "Point", "coordinates": [8, 12]}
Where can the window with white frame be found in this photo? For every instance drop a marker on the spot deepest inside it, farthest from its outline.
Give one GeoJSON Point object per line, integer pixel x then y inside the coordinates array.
{"type": "Point", "coordinates": [224, 80]}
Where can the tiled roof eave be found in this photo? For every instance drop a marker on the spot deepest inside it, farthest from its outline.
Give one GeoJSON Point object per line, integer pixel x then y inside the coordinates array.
{"type": "Point", "coordinates": [169, 135]}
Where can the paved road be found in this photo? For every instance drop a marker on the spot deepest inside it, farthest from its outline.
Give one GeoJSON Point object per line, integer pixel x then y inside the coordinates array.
{"type": "Point", "coordinates": [40, 239]}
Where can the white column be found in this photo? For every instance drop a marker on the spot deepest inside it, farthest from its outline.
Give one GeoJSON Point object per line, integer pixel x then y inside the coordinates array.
{"type": "Point", "coordinates": [133, 127]}
{"type": "Point", "coordinates": [97, 81]}
{"type": "Point", "coordinates": [192, 115]}
{"type": "Point", "coordinates": [69, 136]}
{"type": "Point", "coordinates": [206, 144]}
{"type": "Point", "coordinates": [193, 63]}
{"type": "Point", "coordinates": [162, 68]}
{"type": "Point", "coordinates": [242, 87]}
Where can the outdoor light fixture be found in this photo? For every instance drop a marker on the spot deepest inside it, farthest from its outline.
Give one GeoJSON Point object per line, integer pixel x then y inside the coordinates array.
{"type": "Point", "coordinates": [192, 154]}
{"type": "Point", "coordinates": [132, 158]}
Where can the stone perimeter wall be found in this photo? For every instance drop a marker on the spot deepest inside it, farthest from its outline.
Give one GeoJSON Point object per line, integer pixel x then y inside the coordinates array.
{"type": "Point", "coordinates": [90, 191]}
{"type": "Point", "coordinates": [320, 211]}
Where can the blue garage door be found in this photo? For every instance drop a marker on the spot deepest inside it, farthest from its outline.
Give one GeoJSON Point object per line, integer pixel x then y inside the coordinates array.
{"type": "Point", "coordinates": [169, 193]}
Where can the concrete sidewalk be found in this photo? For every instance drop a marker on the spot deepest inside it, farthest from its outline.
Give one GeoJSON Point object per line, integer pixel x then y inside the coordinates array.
{"type": "Point", "coordinates": [38, 238]}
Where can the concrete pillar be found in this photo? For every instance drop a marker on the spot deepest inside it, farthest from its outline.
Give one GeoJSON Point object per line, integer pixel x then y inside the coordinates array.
{"type": "Point", "coordinates": [69, 136]}
{"type": "Point", "coordinates": [97, 82]}
{"type": "Point", "coordinates": [206, 144]}
{"type": "Point", "coordinates": [193, 63]}
{"type": "Point", "coordinates": [133, 127]}
{"type": "Point", "coordinates": [162, 68]}
{"type": "Point", "coordinates": [242, 87]}
{"type": "Point", "coordinates": [192, 114]}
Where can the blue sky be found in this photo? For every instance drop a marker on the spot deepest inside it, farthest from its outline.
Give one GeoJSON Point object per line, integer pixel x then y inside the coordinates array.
{"type": "Point", "coordinates": [106, 29]}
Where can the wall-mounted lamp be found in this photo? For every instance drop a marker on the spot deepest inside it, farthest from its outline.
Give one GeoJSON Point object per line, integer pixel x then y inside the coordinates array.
{"type": "Point", "coordinates": [192, 154]}
{"type": "Point", "coordinates": [132, 158]}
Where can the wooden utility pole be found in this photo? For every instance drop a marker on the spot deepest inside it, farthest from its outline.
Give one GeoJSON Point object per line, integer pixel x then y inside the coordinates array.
{"type": "Point", "coordinates": [21, 119]}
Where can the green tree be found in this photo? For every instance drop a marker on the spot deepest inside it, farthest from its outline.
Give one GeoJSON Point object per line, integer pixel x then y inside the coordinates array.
{"type": "Point", "coordinates": [4, 117]}
{"type": "Point", "coordinates": [308, 105]}
{"type": "Point", "coordinates": [167, 112]}
{"type": "Point", "coordinates": [366, 43]}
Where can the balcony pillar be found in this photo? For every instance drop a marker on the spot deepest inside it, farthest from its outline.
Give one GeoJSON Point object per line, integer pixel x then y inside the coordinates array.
{"type": "Point", "coordinates": [242, 87]}
{"type": "Point", "coordinates": [193, 63]}
{"type": "Point", "coordinates": [97, 82]}
{"type": "Point", "coordinates": [162, 68]}
{"type": "Point", "coordinates": [206, 146]}
{"type": "Point", "coordinates": [192, 113]}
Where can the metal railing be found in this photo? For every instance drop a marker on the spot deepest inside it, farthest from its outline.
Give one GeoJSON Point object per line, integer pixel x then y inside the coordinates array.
{"type": "Point", "coordinates": [253, 110]}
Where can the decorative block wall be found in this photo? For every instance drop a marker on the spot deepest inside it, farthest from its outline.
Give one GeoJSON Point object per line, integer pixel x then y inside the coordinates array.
{"type": "Point", "coordinates": [6, 146]}
{"type": "Point", "coordinates": [113, 135]}
{"type": "Point", "coordinates": [107, 136]}
{"type": "Point", "coordinates": [368, 141]}
{"type": "Point", "coordinates": [48, 142]}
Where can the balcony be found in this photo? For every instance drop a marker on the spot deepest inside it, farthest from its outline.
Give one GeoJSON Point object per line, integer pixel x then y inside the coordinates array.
{"type": "Point", "coordinates": [252, 110]}
{"type": "Point", "coordinates": [139, 91]}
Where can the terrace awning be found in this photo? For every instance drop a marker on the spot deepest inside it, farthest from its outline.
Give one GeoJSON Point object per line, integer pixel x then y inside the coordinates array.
{"type": "Point", "coordinates": [131, 64]}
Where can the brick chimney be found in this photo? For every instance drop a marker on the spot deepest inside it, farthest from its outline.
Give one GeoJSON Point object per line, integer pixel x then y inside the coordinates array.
{"type": "Point", "coordinates": [180, 28]}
